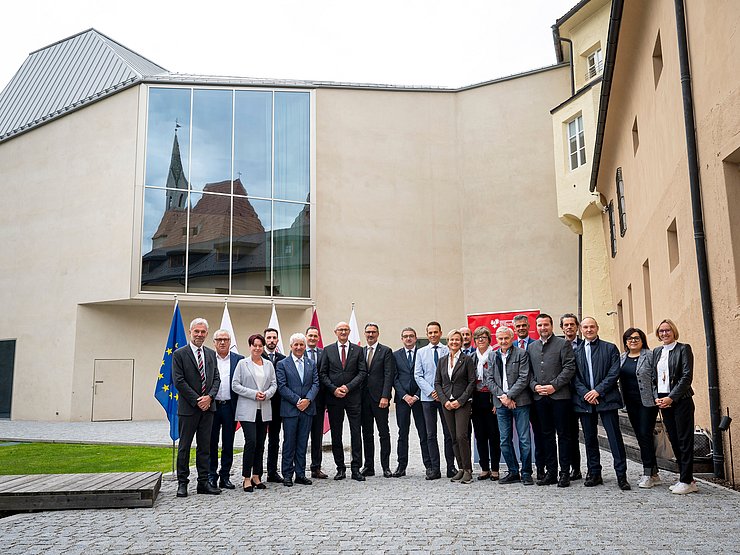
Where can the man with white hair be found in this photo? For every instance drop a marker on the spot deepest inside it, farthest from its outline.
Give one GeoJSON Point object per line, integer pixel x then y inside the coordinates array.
{"type": "Point", "coordinates": [196, 377]}
{"type": "Point", "coordinates": [298, 383]}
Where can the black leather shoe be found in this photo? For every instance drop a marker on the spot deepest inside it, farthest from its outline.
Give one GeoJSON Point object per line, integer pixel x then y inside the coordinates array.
{"type": "Point", "coordinates": [400, 472]}
{"type": "Point", "coordinates": [433, 475]}
{"type": "Point", "coordinates": [387, 473]}
{"type": "Point", "coordinates": [564, 480]}
{"type": "Point", "coordinates": [526, 480]}
{"type": "Point", "coordinates": [510, 478]}
{"type": "Point", "coordinates": [540, 475]}
{"type": "Point", "coordinates": [484, 475]}
{"type": "Point", "coordinates": [275, 478]}
{"type": "Point", "coordinates": [340, 475]}
{"type": "Point", "coordinates": [593, 480]}
{"type": "Point", "coordinates": [225, 483]}
{"type": "Point", "coordinates": [451, 472]}
{"type": "Point", "coordinates": [288, 483]}
{"type": "Point", "coordinates": [182, 490]}
{"type": "Point", "coordinates": [248, 486]}
{"type": "Point", "coordinates": [212, 483]}
{"type": "Point", "coordinates": [318, 474]}
{"type": "Point", "coordinates": [548, 479]}
{"type": "Point", "coordinates": [575, 475]}
{"type": "Point", "coordinates": [623, 484]}
{"type": "Point", "coordinates": [365, 471]}
{"type": "Point", "coordinates": [303, 481]}
{"type": "Point", "coordinates": [207, 488]}
{"type": "Point", "coordinates": [358, 476]}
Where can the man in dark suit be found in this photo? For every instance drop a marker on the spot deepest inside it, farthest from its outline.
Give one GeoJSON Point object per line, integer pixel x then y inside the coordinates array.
{"type": "Point", "coordinates": [375, 401]}
{"type": "Point", "coordinates": [298, 383]}
{"type": "Point", "coordinates": [343, 373]}
{"type": "Point", "coordinates": [597, 394]}
{"type": "Point", "coordinates": [313, 351]}
{"type": "Point", "coordinates": [467, 343]}
{"type": "Point", "coordinates": [522, 341]}
{"type": "Point", "coordinates": [272, 354]}
{"type": "Point", "coordinates": [196, 377]}
{"type": "Point", "coordinates": [223, 418]}
{"type": "Point", "coordinates": [553, 367]}
{"type": "Point", "coordinates": [408, 404]}
{"type": "Point", "coordinates": [570, 325]}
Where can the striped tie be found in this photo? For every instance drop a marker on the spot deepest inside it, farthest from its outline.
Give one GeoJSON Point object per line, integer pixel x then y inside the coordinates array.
{"type": "Point", "coordinates": [202, 371]}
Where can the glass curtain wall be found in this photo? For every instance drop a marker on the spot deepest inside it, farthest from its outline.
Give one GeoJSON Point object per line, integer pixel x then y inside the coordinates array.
{"type": "Point", "coordinates": [226, 200]}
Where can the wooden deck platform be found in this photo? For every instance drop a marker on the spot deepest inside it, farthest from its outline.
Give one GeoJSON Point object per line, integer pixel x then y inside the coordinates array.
{"type": "Point", "coordinates": [46, 492]}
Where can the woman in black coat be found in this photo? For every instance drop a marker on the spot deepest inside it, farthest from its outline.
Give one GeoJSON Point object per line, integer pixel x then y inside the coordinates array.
{"type": "Point", "coordinates": [674, 371]}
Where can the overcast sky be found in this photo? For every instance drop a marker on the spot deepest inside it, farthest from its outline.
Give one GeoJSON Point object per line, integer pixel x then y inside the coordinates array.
{"type": "Point", "coordinates": [405, 42]}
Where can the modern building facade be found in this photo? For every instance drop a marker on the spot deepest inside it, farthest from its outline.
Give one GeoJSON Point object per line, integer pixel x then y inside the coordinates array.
{"type": "Point", "coordinates": [127, 186]}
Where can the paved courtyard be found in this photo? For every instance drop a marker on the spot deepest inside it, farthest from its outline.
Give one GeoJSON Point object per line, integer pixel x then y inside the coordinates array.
{"type": "Point", "coordinates": [403, 515]}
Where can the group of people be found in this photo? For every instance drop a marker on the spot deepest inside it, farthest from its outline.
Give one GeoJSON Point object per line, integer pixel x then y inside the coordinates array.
{"type": "Point", "coordinates": [541, 387]}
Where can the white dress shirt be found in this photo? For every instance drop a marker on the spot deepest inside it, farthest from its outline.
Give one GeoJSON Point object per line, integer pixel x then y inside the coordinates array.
{"type": "Point", "coordinates": [224, 370]}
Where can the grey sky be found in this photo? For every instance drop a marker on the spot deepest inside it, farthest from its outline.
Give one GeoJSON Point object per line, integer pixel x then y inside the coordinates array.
{"type": "Point", "coordinates": [407, 42]}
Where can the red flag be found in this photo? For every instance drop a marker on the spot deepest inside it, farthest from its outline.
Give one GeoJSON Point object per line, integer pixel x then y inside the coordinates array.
{"type": "Point", "coordinates": [315, 323]}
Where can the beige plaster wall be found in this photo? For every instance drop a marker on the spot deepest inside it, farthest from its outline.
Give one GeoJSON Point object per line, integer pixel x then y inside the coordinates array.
{"type": "Point", "coordinates": [68, 215]}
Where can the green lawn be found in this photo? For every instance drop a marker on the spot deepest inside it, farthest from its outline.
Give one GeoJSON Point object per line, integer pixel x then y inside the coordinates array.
{"type": "Point", "coordinates": [70, 458]}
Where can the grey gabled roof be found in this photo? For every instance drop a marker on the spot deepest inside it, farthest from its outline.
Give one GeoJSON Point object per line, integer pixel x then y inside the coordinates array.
{"type": "Point", "coordinates": [67, 75]}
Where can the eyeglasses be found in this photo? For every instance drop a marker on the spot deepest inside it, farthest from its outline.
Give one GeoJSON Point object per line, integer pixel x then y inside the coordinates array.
{"type": "Point", "coordinates": [342, 330]}
{"type": "Point", "coordinates": [634, 338]}
{"type": "Point", "coordinates": [408, 337]}
{"type": "Point", "coordinates": [221, 339]}
{"type": "Point", "coordinates": [665, 332]}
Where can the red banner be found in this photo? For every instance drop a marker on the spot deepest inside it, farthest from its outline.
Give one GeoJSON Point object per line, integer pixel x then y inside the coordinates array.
{"type": "Point", "coordinates": [493, 320]}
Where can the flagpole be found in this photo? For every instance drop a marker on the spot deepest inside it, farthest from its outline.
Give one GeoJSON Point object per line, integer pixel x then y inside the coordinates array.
{"type": "Point", "coordinates": [174, 450]}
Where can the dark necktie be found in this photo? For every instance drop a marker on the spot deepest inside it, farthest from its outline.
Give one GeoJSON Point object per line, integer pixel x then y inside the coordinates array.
{"type": "Point", "coordinates": [521, 343]}
{"type": "Point", "coordinates": [344, 355]}
{"type": "Point", "coordinates": [272, 358]}
{"type": "Point", "coordinates": [202, 370]}
{"type": "Point", "coordinates": [410, 359]}
{"type": "Point", "coordinates": [370, 356]}
{"type": "Point", "coordinates": [436, 355]}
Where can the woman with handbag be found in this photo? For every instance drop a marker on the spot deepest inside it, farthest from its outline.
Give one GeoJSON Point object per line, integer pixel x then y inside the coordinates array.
{"type": "Point", "coordinates": [636, 371]}
{"type": "Point", "coordinates": [674, 366]}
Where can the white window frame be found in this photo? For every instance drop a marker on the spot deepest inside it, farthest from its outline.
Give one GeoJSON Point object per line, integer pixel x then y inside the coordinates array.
{"type": "Point", "coordinates": [576, 143]}
{"type": "Point", "coordinates": [595, 63]}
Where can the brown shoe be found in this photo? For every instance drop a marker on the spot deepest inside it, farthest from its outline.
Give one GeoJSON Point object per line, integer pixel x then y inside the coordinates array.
{"type": "Point", "coordinates": [318, 474]}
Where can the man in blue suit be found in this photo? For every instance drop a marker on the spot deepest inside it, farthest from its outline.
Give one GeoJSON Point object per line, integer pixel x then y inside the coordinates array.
{"type": "Point", "coordinates": [298, 383]}
{"type": "Point", "coordinates": [313, 351]}
{"type": "Point", "coordinates": [223, 418]}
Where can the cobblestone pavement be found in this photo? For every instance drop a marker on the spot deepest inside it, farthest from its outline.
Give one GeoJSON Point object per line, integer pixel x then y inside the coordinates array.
{"type": "Point", "coordinates": [399, 515]}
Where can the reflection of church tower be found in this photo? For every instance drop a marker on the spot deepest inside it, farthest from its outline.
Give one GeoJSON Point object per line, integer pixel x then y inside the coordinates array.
{"type": "Point", "coordinates": [176, 179]}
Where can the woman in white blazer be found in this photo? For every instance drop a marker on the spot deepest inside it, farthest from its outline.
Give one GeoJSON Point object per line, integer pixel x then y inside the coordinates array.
{"type": "Point", "coordinates": [254, 382]}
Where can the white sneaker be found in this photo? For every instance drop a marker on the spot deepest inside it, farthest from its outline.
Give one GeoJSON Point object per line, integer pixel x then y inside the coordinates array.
{"type": "Point", "coordinates": [683, 489]}
{"type": "Point", "coordinates": [647, 482]}
{"type": "Point", "coordinates": [673, 486]}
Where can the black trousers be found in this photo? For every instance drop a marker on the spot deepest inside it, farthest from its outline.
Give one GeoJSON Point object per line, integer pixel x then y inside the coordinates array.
{"type": "Point", "coordinates": [403, 420]}
{"type": "Point", "coordinates": [196, 426]}
{"type": "Point", "coordinates": [539, 452]}
{"type": "Point", "coordinates": [643, 420]}
{"type": "Point", "coordinates": [317, 429]}
{"type": "Point", "coordinates": [678, 420]}
{"type": "Point", "coordinates": [485, 425]}
{"type": "Point", "coordinates": [273, 438]}
{"type": "Point", "coordinates": [610, 421]}
{"type": "Point", "coordinates": [575, 444]}
{"type": "Point", "coordinates": [373, 415]}
{"type": "Point", "coordinates": [353, 409]}
{"type": "Point", "coordinates": [225, 426]}
{"type": "Point", "coordinates": [458, 422]}
{"type": "Point", "coordinates": [432, 411]}
{"type": "Point", "coordinates": [554, 418]}
{"type": "Point", "coordinates": [254, 446]}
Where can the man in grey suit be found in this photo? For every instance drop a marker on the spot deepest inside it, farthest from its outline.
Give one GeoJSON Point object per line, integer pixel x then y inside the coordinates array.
{"type": "Point", "coordinates": [508, 380]}
{"type": "Point", "coordinates": [553, 368]}
{"type": "Point", "coordinates": [298, 383]}
{"type": "Point", "coordinates": [223, 419]}
{"type": "Point", "coordinates": [381, 369]}
{"type": "Point", "coordinates": [343, 372]}
{"type": "Point", "coordinates": [196, 377]}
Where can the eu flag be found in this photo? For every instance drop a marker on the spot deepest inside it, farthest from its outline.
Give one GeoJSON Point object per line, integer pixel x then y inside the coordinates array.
{"type": "Point", "coordinates": [165, 391]}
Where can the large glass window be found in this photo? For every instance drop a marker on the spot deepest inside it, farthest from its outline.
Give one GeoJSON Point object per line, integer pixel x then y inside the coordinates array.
{"type": "Point", "coordinates": [226, 192]}
{"type": "Point", "coordinates": [576, 143]}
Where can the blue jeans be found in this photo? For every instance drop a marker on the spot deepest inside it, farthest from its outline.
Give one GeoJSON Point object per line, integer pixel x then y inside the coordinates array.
{"type": "Point", "coordinates": [506, 419]}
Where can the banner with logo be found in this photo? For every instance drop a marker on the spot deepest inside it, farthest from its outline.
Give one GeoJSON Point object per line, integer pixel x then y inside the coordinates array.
{"type": "Point", "coordinates": [492, 320]}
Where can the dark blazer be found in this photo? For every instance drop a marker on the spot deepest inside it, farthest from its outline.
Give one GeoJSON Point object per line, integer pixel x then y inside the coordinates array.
{"type": "Point", "coordinates": [461, 386]}
{"type": "Point", "coordinates": [404, 382]}
{"type": "Point", "coordinates": [646, 376]}
{"type": "Point", "coordinates": [319, 352]}
{"type": "Point", "coordinates": [381, 373]}
{"type": "Point", "coordinates": [518, 374]}
{"type": "Point", "coordinates": [278, 357]}
{"type": "Point", "coordinates": [680, 370]}
{"type": "Point", "coordinates": [605, 366]}
{"type": "Point", "coordinates": [553, 363]}
{"type": "Point", "coordinates": [353, 375]}
{"type": "Point", "coordinates": [292, 389]}
{"type": "Point", "coordinates": [186, 377]}
{"type": "Point", "coordinates": [234, 358]}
